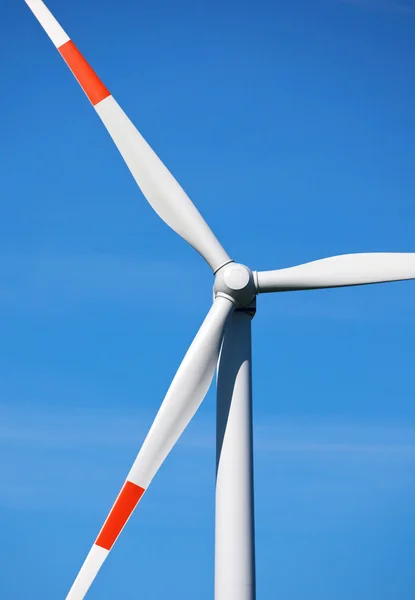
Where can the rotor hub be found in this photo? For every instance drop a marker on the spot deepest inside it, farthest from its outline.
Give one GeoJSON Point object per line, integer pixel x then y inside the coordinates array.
{"type": "Point", "coordinates": [235, 281]}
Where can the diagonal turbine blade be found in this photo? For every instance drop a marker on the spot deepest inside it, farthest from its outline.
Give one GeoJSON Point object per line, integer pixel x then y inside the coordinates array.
{"type": "Point", "coordinates": [157, 184]}
{"type": "Point", "coordinates": [186, 392]}
{"type": "Point", "coordinates": [339, 271]}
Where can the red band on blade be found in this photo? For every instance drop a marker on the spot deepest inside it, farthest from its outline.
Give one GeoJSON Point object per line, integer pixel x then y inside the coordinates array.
{"type": "Point", "coordinates": [119, 515]}
{"type": "Point", "coordinates": [86, 76]}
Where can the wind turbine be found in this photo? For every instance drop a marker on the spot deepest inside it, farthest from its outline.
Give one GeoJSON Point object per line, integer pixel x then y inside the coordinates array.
{"type": "Point", "coordinates": [223, 341]}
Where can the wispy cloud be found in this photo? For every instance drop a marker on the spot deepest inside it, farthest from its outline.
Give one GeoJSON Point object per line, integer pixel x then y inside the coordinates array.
{"type": "Point", "coordinates": [394, 6]}
{"type": "Point", "coordinates": [58, 460]}
{"type": "Point", "coordinates": [60, 283]}
{"type": "Point", "coordinates": [336, 437]}
{"type": "Point", "coordinates": [49, 428]}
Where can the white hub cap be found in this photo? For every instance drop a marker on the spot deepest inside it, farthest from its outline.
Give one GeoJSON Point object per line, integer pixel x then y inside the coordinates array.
{"type": "Point", "coordinates": [235, 281]}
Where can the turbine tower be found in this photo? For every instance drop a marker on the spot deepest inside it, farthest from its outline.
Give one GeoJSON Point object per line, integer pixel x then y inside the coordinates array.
{"type": "Point", "coordinates": [223, 342]}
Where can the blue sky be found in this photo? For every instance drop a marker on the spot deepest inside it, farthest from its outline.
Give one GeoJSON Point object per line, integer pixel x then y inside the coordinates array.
{"type": "Point", "coordinates": [291, 126]}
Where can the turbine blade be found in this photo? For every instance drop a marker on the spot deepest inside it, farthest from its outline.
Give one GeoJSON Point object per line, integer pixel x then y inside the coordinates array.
{"type": "Point", "coordinates": [186, 392]}
{"type": "Point", "coordinates": [157, 184]}
{"type": "Point", "coordinates": [339, 271]}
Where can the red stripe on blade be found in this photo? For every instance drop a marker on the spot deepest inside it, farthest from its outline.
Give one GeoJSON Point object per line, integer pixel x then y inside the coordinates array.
{"type": "Point", "coordinates": [119, 515]}
{"type": "Point", "coordinates": [86, 76]}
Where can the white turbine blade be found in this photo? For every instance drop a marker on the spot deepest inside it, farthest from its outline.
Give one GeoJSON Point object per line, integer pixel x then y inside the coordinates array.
{"type": "Point", "coordinates": [157, 184]}
{"type": "Point", "coordinates": [187, 390]}
{"type": "Point", "coordinates": [339, 271]}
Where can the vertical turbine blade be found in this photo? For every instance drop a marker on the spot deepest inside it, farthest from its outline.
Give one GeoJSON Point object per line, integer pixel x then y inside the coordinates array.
{"type": "Point", "coordinates": [186, 392]}
{"type": "Point", "coordinates": [157, 184]}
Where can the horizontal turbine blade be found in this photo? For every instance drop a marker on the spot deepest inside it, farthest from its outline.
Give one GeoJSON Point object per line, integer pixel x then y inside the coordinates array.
{"type": "Point", "coordinates": [188, 389]}
{"type": "Point", "coordinates": [157, 184]}
{"type": "Point", "coordinates": [339, 271]}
